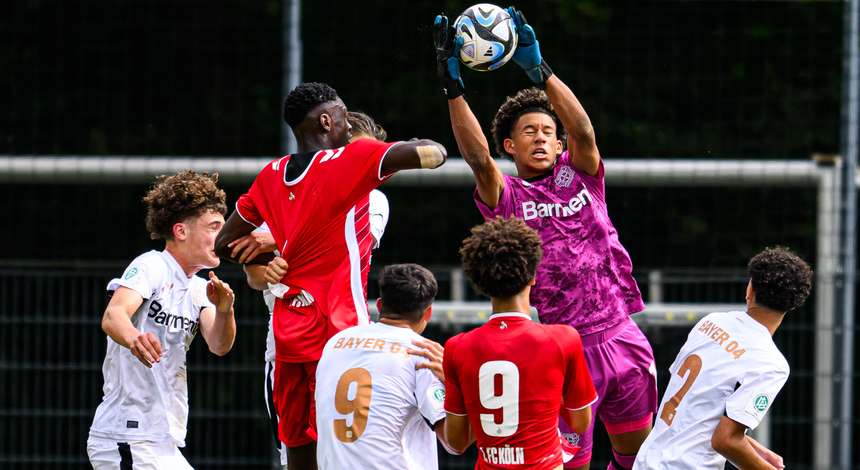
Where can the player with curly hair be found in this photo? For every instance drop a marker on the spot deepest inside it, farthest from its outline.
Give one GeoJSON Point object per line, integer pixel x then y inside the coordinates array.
{"type": "Point", "coordinates": [316, 205]}
{"type": "Point", "coordinates": [156, 309]}
{"type": "Point", "coordinates": [585, 279]}
{"type": "Point", "coordinates": [727, 375]}
{"type": "Point", "coordinates": [497, 393]}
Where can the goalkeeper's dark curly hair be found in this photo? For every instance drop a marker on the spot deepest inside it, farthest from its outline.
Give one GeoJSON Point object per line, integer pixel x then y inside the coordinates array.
{"type": "Point", "coordinates": [501, 256]}
{"type": "Point", "coordinates": [525, 101]}
{"type": "Point", "coordinates": [363, 124]}
{"type": "Point", "coordinates": [781, 280]}
{"type": "Point", "coordinates": [305, 97]}
{"type": "Point", "coordinates": [174, 198]}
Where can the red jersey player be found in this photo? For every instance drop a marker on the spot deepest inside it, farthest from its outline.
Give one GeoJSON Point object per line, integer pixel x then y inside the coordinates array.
{"type": "Point", "coordinates": [507, 381]}
{"type": "Point", "coordinates": [310, 201]}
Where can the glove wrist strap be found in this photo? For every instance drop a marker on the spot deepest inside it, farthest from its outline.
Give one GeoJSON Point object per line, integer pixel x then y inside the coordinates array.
{"type": "Point", "coordinates": [544, 72]}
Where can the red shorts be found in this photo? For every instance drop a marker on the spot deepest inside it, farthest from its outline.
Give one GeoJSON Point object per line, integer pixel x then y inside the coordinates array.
{"type": "Point", "coordinates": [293, 397]}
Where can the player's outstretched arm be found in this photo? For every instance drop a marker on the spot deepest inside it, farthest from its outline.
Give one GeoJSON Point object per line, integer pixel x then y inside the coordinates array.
{"type": "Point", "coordinates": [234, 229]}
{"type": "Point", "coordinates": [731, 442]}
{"type": "Point", "coordinates": [470, 138]}
{"type": "Point", "coordinates": [413, 155]}
{"type": "Point", "coordinates": [581, 140]}
{"type": "Point", "coordinates": [218, 325]}
{"type": "Point", "coordinates": [116, 323]}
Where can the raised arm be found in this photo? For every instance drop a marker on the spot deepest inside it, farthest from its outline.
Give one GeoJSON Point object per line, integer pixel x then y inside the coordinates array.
{"type": "Point", "coordinates": [233, 229]}
{"type": "Point", "coordinates": [218, 325]}
{"type": "Point", "coordinates": [470, 138]}
{"type": "Point", "coordinates": [581, 141]}
{"type": "Point", "coordinates": [415, 154]}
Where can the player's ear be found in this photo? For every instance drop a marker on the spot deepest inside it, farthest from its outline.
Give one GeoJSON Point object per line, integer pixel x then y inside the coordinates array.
{"type": "Point", "coordinates": [509, 146]}
{"type": "Point", "coordinates": [428, 312]}
{"type": "Point", "coordinates": [559, 146]}
{"type": "Point", "coordinates": [180, 231]}
{"type": "Point", "coordinates": [379, 306]}
{"type": "Point", "coordinates": [532, 282]}
{"type": "Point", "coordinates": [326, 121]}
{"type": "Point", "coordinates": [750, 293]}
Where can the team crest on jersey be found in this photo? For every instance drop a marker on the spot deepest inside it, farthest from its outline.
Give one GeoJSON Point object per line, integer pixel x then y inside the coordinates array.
{"type": "Point", "coordinates": [571, 437]}
{"type": "Point", "coordinates": [761, 402]}
{"type": "Point", "coordinates": [564, 176]}
{"type": "Point", "coordinates": [131, 273]}
{"type": "Point", "coordinates": [439, 395]}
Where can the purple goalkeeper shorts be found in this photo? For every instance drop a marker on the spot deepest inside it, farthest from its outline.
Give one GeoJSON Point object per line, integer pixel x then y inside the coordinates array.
{"type": "Point", "coordinates": [621, 363]}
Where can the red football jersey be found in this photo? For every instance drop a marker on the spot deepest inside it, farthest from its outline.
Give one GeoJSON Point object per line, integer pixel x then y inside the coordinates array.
{"type": "Point", "coordinates": [511, 376]}
{"type": "Point", "coordinates": [316, 206]}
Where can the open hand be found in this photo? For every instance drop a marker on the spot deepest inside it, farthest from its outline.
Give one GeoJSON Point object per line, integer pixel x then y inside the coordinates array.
{"type": "Point", "coordinates": [219, 293]}
{"type": "Point", "coordinates": [433, 352]}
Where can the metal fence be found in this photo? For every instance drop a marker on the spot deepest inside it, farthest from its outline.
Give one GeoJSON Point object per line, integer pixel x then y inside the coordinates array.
{"type": "Point", "coordinates": [50, 367]}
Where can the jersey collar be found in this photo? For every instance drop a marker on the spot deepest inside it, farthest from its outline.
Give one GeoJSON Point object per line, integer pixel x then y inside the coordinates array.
{"type": "Point", "coordinates": [178, 272]}
{"type": "Point", "coordinates": [509, 315]}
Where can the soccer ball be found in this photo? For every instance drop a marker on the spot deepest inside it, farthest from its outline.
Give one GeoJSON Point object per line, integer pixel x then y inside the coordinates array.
{"type": "Point", "coordinates": [489, 37]}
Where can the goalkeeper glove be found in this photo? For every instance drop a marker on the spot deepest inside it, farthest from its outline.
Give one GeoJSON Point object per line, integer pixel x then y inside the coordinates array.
{"type": "Point", "coordinates": [527, 55]}
{"type": "Point", "coordinates": [448, 47]}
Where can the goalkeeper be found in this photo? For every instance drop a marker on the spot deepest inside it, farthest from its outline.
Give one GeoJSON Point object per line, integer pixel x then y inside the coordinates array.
{"type": "Point", "coordinates": [584, 279]}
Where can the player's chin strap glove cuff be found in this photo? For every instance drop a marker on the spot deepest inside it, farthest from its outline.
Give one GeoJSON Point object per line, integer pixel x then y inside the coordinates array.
{"type": "Point", "coordinates": [540, 74]}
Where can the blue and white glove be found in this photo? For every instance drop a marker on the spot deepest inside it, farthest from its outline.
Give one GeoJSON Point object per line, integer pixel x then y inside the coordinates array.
{"type": "Point", "coordinates": [448, 46]}
{"type": "Point", "coordinates": [527, 55]}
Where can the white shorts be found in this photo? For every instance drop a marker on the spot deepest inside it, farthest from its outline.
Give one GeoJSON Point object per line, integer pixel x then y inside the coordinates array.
{"type": "Point", "coordinates": [110, 454]}
{"type": "Point", "coordinates": [270, 407]}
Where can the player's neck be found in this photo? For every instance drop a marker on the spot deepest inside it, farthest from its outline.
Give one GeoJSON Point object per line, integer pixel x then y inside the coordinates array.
{"type": "Point", "coordinates": [314, 142]}
{"type": "Point", "coordinates": [517, 303]}
{"type": "Point", "coordinates": [181, 259]}
{"type": "Point", "coordinates": [399, 323]}
{"type": "Point", "coordinates": [771, 319]}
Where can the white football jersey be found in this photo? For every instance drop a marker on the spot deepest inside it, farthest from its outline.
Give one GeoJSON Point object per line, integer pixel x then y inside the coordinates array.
{"type": "Point", "coordinates": [151, 404]}
{"type": "Point", "coordinates": [728, 366]}
{"type": "Point", "coordinates": [374, 410]}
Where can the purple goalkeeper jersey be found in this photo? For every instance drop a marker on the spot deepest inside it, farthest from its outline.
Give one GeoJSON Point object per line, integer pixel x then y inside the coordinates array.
{"type": "Point", "coordinates": [585, 277]}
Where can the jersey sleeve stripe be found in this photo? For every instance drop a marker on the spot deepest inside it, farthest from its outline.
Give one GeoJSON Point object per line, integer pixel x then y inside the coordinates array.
{"type": "Point", "coordinates": [382, 160]}
{"type": "Point", "coordinates": [355, 283]}
{"type": "Point", "coordinates": [584, 406]}
{"type": "Point", "coordinates": [239, 211]}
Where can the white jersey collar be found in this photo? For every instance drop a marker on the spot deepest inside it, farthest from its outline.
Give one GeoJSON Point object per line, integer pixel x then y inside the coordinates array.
{"type": "Point", "coordinates": [178, 272]}
{"type": "Point", "coordinates": [508, 315]}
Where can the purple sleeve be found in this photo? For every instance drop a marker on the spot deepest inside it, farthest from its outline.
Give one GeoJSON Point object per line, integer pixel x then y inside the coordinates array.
{"type": "Point", "coordinates": [504, 208]}
{"type": "Point", "coordinates": [596, 184]}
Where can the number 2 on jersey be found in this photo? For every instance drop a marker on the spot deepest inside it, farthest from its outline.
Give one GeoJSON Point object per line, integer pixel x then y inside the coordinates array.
{"type": "Point", "coordinates": [691, 367]}
{"type": "Point", "coordinates": [508, 399]}
{"type": "Point", "coordinates": [359, 406]}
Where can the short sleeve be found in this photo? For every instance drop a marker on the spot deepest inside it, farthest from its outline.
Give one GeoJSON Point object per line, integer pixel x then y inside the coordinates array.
{"type": "Point", "coordinates": [143, 275]}
{"type": "Point", "coordinates": [430, 394]}
{"type": "Point", "coordinates": [506, 206]}
{"type": "Point", "coordinates": [379, 212]}
{"type": "Point", "coordinates": [579, 389]}
{"type": "Point", "coordinates": [454, 402]}
{"type": "Point", "coordinates": [596, 184]}
{"type": "Point", "coordinates": [248, 205]}
{"type": "Point", "coordinates": [749, 403]}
